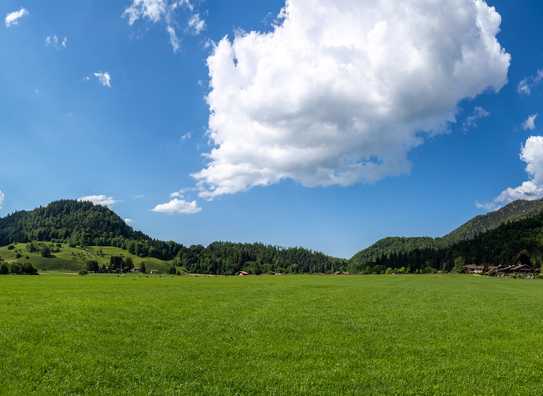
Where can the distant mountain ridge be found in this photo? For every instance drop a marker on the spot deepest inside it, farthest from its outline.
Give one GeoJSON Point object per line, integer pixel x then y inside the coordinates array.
{"type": "Point", "coordinates": [515, 211]}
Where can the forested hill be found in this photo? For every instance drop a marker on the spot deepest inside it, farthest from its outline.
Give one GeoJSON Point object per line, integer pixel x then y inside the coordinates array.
{"type": "Point", "coordinates": [511, 243]}
{"type": "Point", "coordinates": [82, 224]}
{"type": "Point", "coordinates": [400, 247]}
{"type": "Point", "coordinates": [515, 211]}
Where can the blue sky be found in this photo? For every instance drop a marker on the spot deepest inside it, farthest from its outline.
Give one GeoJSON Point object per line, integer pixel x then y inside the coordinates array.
{"type": "Point", "coordinates": [67, 134]}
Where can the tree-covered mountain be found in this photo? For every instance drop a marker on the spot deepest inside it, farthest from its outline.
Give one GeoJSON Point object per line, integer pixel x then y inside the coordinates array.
{"type": "Point", "coordinates": [494, 238]}
{"type": "Point", "coordinates": [79, 222]}
{"type": "Point", "coordinates": [84, 224]}
{"type": "Point", "coordinates": [398, 246]}
{"type": "Point", "coordinates": [517, 210]}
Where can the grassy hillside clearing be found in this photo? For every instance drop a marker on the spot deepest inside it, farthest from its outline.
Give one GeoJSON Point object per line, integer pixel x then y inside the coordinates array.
{"type": "Point", "coordinates": [73, 259]}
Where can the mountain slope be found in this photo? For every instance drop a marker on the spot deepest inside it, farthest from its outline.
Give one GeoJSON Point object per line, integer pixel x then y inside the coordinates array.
{"type": "Point", "coordinates": [515, 211]}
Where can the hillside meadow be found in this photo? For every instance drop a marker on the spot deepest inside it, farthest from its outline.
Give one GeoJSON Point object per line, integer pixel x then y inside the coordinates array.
{"type": "Point", "coordinates": [137, 334]}
{"type": "Point", "coordinates": [65, 258]}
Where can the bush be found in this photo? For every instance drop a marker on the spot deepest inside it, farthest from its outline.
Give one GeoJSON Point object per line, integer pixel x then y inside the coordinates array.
{"type": "Point", "coordinates": [172, 271]}
{"type": "Point", "coordinates": [16, 269]}
{"type": "Point", "coordinates": [116, 264]}
{"type": "Point", "coordinates": [45, 252]}
{"type": "Point", "coordinates": [4, 269]}
{"type": "Point", "coordinates": [143, 268]}
{"type": "Point", "coordinates": [128, 264]}
{"type": "Point", "coordinates": [92, 266]}
{"type": "Point", "coordinates": [83, 272]}
{"type": "Point", "coordinates": [459, 263]}
{"type": "Point", "coordinates": [29, 269]}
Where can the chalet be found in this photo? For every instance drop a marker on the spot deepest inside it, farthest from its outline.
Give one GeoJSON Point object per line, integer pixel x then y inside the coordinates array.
{"type": "Point", "coordinates": [474, 269]}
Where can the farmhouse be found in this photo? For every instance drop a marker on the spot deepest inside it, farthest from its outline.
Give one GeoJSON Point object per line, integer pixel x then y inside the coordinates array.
{"type": "Point", "coordinates": [474, 269]}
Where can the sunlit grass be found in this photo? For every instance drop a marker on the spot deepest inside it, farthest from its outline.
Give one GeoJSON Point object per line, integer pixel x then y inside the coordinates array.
{"type": "Point", "coordinates": [108, 334]}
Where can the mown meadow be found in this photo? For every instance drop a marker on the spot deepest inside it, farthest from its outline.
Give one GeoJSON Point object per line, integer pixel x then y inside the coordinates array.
{"type": "Point", "coordinates": [137, 334]}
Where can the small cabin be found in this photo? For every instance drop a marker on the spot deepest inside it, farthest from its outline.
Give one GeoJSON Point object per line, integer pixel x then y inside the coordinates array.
{"type": "Point", "coordinates": [474, 269]}
{"type": "Point", "coordinates": [243, 273]}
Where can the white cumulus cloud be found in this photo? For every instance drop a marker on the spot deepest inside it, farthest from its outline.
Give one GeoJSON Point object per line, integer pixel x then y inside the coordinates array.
{"type": "Point", "coordinates": [340, 91]}
{"type": "Point", "coordinates": [529, 124]}
{"type": "Point", "coordinates": [104, 78]}
{"type": "Point", "coordinates": [532, 154]}
{"type": "Point", "coordinates": [178, 205]}
{"type": "Point", "coordinates": [13, 18]}
{"type": "Point", "coordinates": [2, 199]}
{"type": "Point", "coordinates": [102, 200]}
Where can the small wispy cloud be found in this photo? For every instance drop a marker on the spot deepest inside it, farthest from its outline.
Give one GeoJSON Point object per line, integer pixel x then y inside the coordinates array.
{"type": "Point", "coordinates": [526, 86]}
{"type": "Point", "coordinates": [56, 42]}
{"type": "Point", "coordinates": [2, 198]}
{"type": "Point", "coordinates": [166, 11]}
{"type": "Point", "coordinates": [101, 200]}
{"type": "Point", "coordinates": [13, 18]}
{"type": "Point", "coordinates": [472, 121]}
{"type": "Point", "coordinates": [104, 78]}
{"type": "Point", "coordinates": [174, 40]}
{"type": "Point", "coordinates": [178, 204]}
{"type": "Point", "coordinates": [529, 124]}
{"type": "Point", "coordinates": [196, 24]}
{"type": "Point", "coordinates": [186, 136]}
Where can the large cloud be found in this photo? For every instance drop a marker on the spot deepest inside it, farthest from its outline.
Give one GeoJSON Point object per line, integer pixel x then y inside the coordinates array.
{"type": "Point", "coordinates": [532, 154]}
{"type": "Point", "coordinates": [340, 91]}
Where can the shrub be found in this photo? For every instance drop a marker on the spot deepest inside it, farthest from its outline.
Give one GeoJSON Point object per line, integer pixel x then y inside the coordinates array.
{"type": "Point", "coordinates": [143, 268]}
{"type": "Point", "coordinates": [92, 266]}
{"type": "Point", "coordinates": [172, 270]}
{"type": "Point", "coordinates": [15, 269]}
{"type": "Point", "coordinates": [45, 252]}
{"type": "Point", "coordinates": [4, 269]}
{"type": "Point", "coordinates": [129, 264]}
{"type": "Point", "coordinates": [83, 272]}
{"type": "Point", "coordinates": [29, 269]}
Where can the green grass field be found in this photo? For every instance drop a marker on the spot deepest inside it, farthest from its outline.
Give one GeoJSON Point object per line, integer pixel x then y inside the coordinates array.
{"type": "Point", "coordinates": [278, 335]}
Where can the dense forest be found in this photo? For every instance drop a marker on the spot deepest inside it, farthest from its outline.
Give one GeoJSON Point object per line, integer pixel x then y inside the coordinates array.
{"type": "Point", "coordinates": [84, 224]}
{"type": "Point", "coordinates": [474, 242]}
{"type": "Point", "coordinates": [510, 243]}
